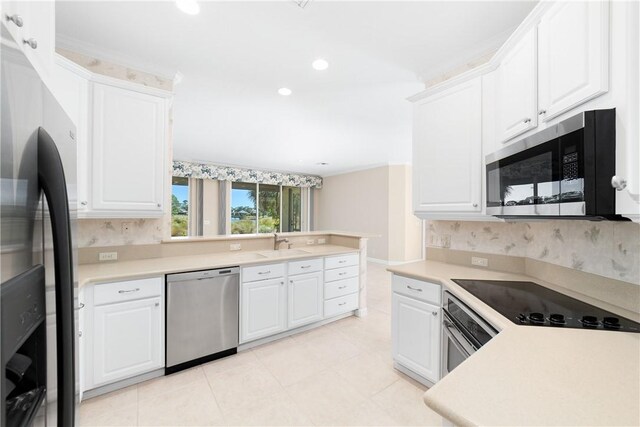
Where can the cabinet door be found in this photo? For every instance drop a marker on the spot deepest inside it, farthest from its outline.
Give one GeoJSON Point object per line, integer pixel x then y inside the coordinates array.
{"type": "Point", "coordinates": [447, 150]}
{"type": "Point", "coordinates": [128, 145]}
{"type": "Point", "coordinates": [263, 309]}
{"type": "Point", "coordinates": [517, 89]}
{"type": "Point", "coordinates": [128, 339]}
{"type": "Point", "coordinates": [37, 27]}
{"type": "Point", "coordinates": [573, 55]}
{"type": "Point", "coordinates": [416, 336]}
{"type": "Point", "coordinates": [305, 299]}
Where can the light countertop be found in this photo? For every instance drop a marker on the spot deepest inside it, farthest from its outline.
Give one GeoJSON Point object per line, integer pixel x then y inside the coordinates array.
{"type": "Point", "coordinates": [535, 376]}
{"type": "Point", "coordinates": [122, 270]}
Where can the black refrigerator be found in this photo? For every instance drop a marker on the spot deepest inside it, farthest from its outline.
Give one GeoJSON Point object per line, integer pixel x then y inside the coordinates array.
{"type": "Point", "coordinates": [38, 291]}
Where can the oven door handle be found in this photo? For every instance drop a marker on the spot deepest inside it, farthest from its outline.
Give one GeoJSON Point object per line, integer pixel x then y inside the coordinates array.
{"type": "Point", "coordinates": [457, 338]}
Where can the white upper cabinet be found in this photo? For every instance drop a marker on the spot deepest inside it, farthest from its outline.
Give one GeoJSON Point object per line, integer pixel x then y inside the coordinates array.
{"type": "Point", "coordinates": [447, 151]}
{"type": "Point", "coordinates": [517, 110]}
{"type": "Point", "coordinates": [573, 55]}
{"type": "Point", "coordinates": [127, 158]}
{"type": "Point", "coordinates": [32, 25]}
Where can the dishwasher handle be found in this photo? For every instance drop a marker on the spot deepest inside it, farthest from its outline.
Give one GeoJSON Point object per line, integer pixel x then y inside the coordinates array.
{"type": "Point", "coordinates": [203, 275]}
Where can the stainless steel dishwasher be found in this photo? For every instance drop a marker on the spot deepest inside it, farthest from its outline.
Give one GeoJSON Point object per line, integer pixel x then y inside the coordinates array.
{"type": "Point", "coordinates": [202, 317]}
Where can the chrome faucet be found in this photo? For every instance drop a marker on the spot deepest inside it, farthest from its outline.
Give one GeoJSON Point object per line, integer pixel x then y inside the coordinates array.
{"type": "Point", "coordinates": [276, 241]}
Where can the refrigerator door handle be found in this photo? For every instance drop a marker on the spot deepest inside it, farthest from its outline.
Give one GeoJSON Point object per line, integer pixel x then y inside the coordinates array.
{"type": "Point", "coordinates": [52, 181]}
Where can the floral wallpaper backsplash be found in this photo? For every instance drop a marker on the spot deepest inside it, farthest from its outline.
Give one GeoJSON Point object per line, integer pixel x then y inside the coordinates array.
{"type": "Point", "coordinates": [610, 249]}
{"type": "Point", "coordinates": [109, 232]}
{"type": "Point", "coordinates": [227, 173]}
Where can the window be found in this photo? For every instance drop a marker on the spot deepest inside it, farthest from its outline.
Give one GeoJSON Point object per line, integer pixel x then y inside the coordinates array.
{"type": "Point", "coordinates": [243, 208]}
{"type": "Point", "coordinates": [202, 207]}
{"type": "Point", "coordinates": [269, 212]}
{"type": "Point", "coordinates": [291, 209]}
{"type": "Point", "coordinates": [179, 206]}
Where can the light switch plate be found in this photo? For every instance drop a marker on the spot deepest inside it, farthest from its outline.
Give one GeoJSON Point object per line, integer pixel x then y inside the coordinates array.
{"type": "Point", "coordinates": [440, 241]}
{"type": "Point", "coordinates": [322, 241]}
{"type": "Point", "coordinates": [310, 241]}
{"type": "Point", "coordinates": [235, 247]}
{"type": "Point", "coordinates": [108, 256]}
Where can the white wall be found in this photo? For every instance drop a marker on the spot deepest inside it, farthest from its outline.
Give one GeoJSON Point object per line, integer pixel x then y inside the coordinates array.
{"type": "Point", "coordinates": [376, 201]}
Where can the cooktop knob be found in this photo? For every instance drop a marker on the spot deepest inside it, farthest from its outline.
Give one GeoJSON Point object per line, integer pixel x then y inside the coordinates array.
{"type": "Point", "coordinates": [590, 321]}
{"type": "Point", "coordinates": [557, 319]}
{"type": "Point", "coordinates": [536, 318]}
{"type": "Point", "coordinates": [522, 318]}
{"type": "Point", "coordinates": [611, 323]}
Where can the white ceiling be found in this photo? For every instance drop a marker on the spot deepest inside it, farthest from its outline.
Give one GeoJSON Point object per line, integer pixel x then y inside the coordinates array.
{"type": "Point", "coordinates": [235, 55]}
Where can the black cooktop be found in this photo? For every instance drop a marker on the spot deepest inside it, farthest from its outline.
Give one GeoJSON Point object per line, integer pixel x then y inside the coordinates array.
{"type": "Point", "coordinates": [527, 303]}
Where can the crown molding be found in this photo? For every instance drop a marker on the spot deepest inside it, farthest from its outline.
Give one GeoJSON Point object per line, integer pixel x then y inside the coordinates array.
{"type": "Point", "coordinates": [89, 49]}
{"type": "Point", "coordinates": [531, 20]}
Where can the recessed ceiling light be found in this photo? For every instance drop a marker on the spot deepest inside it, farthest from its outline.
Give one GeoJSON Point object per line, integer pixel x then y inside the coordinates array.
{"type": "Point", "coordinates": [284, 91]}
{"type": "Point", "coordinates": [190, 7]}
{"type": "Point", "coordinates": [320, 64]}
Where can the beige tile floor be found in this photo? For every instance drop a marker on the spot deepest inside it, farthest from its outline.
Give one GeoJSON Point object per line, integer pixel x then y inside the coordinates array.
{"type": "Point", "coordinates": [338, 374]}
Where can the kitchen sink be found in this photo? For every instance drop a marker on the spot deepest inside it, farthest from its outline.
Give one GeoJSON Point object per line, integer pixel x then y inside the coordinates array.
{"type": "Point", "coordinates": [283, 252]}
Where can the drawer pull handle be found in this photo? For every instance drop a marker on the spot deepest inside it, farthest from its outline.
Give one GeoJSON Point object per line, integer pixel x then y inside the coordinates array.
{"type": "Point", "coordinates": [80, 306]}
{"type": "Point", "coordinates": [435, 313]}
{"type": "Point", "coordinates": [305, 266]}
{"type": "Point", "coordinates": [264, 272]}
{"type": "Point", "coordinates": [342, 303]}
{"type": "Point", "coordinates": [342, 287]}
{"type": "Point", "coordinates": [122, 291]}
{"type": "Point", "coordinates": [342, 261]}
{"type": "Point", "coordinates": [414, 289]}
{"type": "Point", "coordinates": [342, 274]}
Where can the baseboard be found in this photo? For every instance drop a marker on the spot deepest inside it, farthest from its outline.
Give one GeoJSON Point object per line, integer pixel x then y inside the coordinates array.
{"type": "Point", "coordinates": [387, 262]}
{"type": "Point", "coordinates": [88, 394]}
{"type": "Point", "coordinates": [408, 372]}
{"type": "Point", "coordinates": [260, 341]}
{"type": "Point", "coordinates": [361, 312]}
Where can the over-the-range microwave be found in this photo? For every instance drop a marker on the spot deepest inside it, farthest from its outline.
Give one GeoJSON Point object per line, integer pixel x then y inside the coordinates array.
{"type": "Point", "coordinates": [563, 172]}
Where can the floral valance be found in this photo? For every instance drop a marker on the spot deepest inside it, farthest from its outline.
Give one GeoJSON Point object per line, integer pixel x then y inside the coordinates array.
{"type": "Point", "coordinates": [226, 173]}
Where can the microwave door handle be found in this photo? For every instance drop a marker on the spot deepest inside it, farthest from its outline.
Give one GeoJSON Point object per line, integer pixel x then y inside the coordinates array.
{"type": "Point", "coordinates": [52, 182]}
{"type": "Point", "coordinates": [458, 338]}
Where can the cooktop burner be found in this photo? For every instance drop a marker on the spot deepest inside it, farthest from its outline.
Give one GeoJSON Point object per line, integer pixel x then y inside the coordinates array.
{"type": "Point", "coordinates": [527, 303]}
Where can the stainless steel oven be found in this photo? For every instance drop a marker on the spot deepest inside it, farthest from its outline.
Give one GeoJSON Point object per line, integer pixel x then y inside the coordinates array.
{"type": "Point", "coordinates": [463, 332]}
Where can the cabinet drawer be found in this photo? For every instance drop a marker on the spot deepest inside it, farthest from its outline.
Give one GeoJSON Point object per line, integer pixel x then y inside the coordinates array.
{"type": "Point", "coordinates": [340, 288]}
{"type": "Point", "coordinates": [305, 266]}
{"type": "Point", "coordinates": [340, 305]}
{"type": "Point", "coordinates": [341, 273]}
{"type": "Point", "coordinates": [341, 261]}
{"type": "Point", "coordinates": [127, 291]}
{"type": "Point", "coordinates": [261, 272]}
{"type": "Point", "coordinates": [417, 289]}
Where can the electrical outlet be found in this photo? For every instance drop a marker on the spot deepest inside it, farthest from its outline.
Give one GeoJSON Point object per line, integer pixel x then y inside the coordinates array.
{"type": "Point", "coordinates": [206, 222]}
{"type": "Point", "coordinates": [126, 228]}
{"type": "Point", "coordinates": [443, 241]}
{"type": "Point", "coordinates": [322, 241]}
{"type": "Point", "coordinates": [108, 256]}
{"type": "Point", "coordinates": [235, 247]}
{"type": "Point", "coordinates": [310, 241]}
{"type": "Point", "coordinates": [482, 262]}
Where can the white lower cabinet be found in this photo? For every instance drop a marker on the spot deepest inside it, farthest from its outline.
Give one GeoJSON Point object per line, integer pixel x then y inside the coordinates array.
{"type": "Point", "coordinates": [415, 328]}
{"type": "Point", "coordinates": [123, 331]}
{"type": "Point", "coordinates": [275, 298]}
{"type": "Point", "coordinates": [128, 339]}
{"type": "Point", "coordinates": [263, 308]}
{"type": "Point", "coordinates": [305, 299]}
